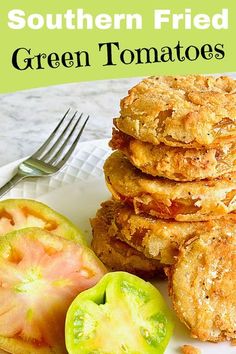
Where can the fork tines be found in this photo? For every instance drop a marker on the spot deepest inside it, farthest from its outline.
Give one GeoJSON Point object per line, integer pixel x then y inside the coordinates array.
{"type": "Point", "coordinates": [61, 143]}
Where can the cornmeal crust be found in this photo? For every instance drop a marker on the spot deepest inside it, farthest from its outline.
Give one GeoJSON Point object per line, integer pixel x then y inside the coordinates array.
{"type": "Point", "coordinates": [202, 285]}
{"type": "Point", "coordinates": [189, 349]}
{"type": "Point", "coordinates": [176, 163]}
{"type": "Point", "coordinates": [163, 198]}
{"type": "Point", "coordinates": [185, 111]}
{"type": "Point", "coordinates": [118, 255]}
{"type": "Point", "coordinates": [155, 238]}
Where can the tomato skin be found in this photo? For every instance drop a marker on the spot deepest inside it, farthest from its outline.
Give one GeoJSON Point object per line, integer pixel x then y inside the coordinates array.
{"type": "Point", "coordinates": [121, 314]}
{"type": "Point", "coordinates": [40, 275]}
{"type": "Point", "coordinates": [16, 214]}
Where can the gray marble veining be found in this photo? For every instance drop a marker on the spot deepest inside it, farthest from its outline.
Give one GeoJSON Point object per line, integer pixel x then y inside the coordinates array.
{"type": "Point", "coordinates": [28, 117]}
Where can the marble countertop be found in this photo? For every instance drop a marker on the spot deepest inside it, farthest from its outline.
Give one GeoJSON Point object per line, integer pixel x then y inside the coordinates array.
{"type": "Point", "coordinates": [28, 117]}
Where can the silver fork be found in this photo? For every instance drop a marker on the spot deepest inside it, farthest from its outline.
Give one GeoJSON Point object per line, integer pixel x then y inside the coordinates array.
{"type": "Point", "coordinates": [53, 154]}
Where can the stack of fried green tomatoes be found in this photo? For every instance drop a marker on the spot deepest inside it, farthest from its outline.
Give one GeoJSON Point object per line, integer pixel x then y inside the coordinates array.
{"type": "Point", "coordinates": [46, 268]}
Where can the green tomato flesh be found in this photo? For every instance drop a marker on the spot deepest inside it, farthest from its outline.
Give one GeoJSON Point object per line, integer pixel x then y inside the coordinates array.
{"type": "Point", "coordinates": [122, 314]}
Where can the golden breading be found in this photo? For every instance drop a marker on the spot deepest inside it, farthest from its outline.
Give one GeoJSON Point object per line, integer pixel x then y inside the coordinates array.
{"type": "Point", "coordinates": [176, 163]}
{"type": "Point", "coordinates": [187, 111]}
{"type": "Point", "coordinates": [155, 238]}
{"type": "Point", "coordinates": [202, 285]}
{"type": "Point", "coordinates": [117, 255]}
{"type": "Point", "coordinates": [189, 349]}
{"type": "Point", "coordinates": [163, 198]}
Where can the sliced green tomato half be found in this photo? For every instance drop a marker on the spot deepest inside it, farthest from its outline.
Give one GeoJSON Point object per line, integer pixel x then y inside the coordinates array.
{"type": "Point", "coordinates": [122, 314]}
{"type": "Point", "coordinates": [40, 275]}
{"type": "Point", "coordinates": [16, 214]}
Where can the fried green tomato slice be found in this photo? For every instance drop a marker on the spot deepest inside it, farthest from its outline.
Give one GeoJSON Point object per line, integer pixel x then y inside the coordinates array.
{"type": "Point", "coordinates": [157, 239]}
{"type": "Point", "coordinates": [176, 163]}
{"type": "Point", "coordinates": [165, 199]}
{"type": "Point", "coordinates": [192, 111]}
{"type": "Point", "coordinates": [122, 314]}
{"type": "Point", "coordinates": [40, 275]}
{"type": "Point", "coordinates": [202, 285]}
{"type": "Point", "coordinates": [117, 255]}
{"type": "Point", "coordinates": [18, 214]}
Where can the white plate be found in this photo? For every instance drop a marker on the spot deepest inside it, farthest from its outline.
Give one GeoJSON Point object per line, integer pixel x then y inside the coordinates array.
{"type": "Point", "coordinates": [77, 193]}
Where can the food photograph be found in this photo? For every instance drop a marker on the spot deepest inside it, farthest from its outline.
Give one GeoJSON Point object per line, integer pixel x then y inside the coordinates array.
{"type": "Point", "coordinates": [118, 217]}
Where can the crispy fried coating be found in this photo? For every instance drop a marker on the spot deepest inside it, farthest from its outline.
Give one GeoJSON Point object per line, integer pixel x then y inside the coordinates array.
{"type": "Point", "coordinates": [117, 255]}
{"type": "Point", "coordinates": [187, 111]}
{"type": "Point", "coordinates": [155, 238]}
{"type": "Point", "coordinates": [176, 163]}
{"type": "Point", "coordinates": [166, 199]}
{"type": "Point", "coordinates": [202, 285]}
{"type": "Point", "coordinates": [189, 349]}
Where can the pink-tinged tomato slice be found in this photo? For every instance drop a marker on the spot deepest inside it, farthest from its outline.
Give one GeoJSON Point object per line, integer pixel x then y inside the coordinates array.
{"type": "Point", "coordinates": [16, 214]}
{"type": "Point", "coordinates": [40, 275]}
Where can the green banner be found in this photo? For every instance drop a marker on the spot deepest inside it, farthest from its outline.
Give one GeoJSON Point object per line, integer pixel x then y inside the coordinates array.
{"type": "Point", "coordinates": [57, 41]}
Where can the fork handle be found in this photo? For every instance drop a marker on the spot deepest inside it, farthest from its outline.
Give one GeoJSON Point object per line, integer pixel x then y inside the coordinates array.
{"type": "Point", "coordinates": [13, 181]}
